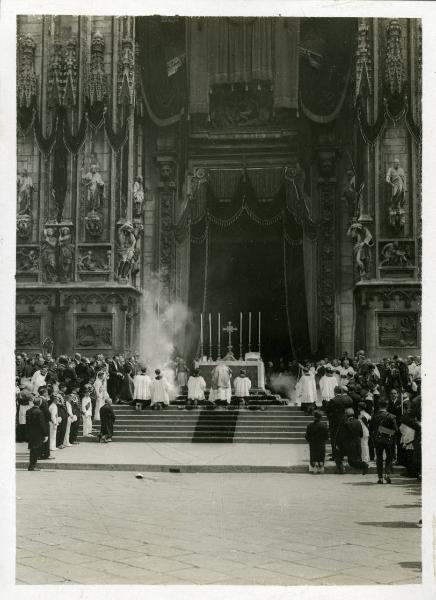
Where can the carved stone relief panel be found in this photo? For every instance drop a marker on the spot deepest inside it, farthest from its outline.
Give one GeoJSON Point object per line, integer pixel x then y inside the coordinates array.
{"type": "Point", "coordinates": [28, 331]}
{"type": "Point", "coordinates": [93, 331]}
{"type": "Point", "coordinates": [396, 258]}
{"type": "Point", "coordinates": [397, 329]}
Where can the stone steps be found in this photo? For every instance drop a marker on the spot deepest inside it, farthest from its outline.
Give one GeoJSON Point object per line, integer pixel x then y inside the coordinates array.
{"type": "Point", "coordinates": [274, 425]}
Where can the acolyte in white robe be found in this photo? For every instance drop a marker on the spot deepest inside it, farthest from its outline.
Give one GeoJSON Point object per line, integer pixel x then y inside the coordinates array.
{"type": "Point", "coordinates": [242, 386]}
{"type": "Point", "coordinates": [196, 387]}
{"type": "Point", "coordinates": [327, 385]}
{"type": "Point", "coordinates": [142, 385]}
{"type": "Point", "coordinates": [37, 381]}
{"type": "Point", "coordinates": [160, 390]}
{"type": "Point", "coordinates": [306, 390]}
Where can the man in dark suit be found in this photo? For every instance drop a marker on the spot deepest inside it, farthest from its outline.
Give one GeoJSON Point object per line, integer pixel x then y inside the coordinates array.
{"type": "Point", "coordinates": [37, 431]}
{"type": "Point", "coordinates": [107, 420]}
{"type": "Point", "coordinates": [348, 443]}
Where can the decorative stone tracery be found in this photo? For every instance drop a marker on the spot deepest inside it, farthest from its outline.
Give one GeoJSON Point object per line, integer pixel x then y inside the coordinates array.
{"type": "Point", "coordinates": [27, 81]}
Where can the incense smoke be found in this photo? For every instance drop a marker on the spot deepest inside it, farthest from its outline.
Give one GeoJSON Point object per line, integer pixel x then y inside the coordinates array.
{"type": "Point", "coordinates": [162, 324]}
{"type": "Point", "coordinates": [284, 385]}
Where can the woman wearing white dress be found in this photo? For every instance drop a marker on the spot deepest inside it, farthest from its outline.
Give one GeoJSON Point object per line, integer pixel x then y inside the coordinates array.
{"type": "Point", "coordinates": [100, 393]}
{"type": "Point", "coordinates": [54, 422]}
{"type": "Point", "coordinates": [70, 420]}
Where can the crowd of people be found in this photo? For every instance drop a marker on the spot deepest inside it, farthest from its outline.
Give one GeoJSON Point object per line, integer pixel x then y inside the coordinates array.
{"type": "Point", "coordinates": [373, 412]}
{"type": "Point", "coordinates": [373, 409]}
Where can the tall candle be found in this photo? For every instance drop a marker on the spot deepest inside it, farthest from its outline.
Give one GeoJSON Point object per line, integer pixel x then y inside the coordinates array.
{"type": "Point", "coordinates": [240, 329]}
{"type": "Point", "coordinates": [201, 328]}
{"type": "Point", "coordinates": [249, 328]}
{"type": "Point", "coordinates": [259, 331]}
{"type": "Point", "coordinates": [210, 333]}
{"type": "Point", "coordinates": [219, 329]}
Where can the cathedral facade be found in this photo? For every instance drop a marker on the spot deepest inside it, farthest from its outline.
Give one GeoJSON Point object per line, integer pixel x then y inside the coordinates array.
{"type": "Point", "coordinates": [233, 165]}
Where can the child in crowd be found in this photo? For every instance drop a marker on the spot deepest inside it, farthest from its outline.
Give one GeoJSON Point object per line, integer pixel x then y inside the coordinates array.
{"type": "Point", "coordinates": [317, 436]}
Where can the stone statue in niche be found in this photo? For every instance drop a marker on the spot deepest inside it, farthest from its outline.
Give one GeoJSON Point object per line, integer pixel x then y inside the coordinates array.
{"type": "Point", "coordinates": [127, 250]}
{"type": "Point", "coordinates": [94, 185]}
{"type": "Point", "coordinates": [396, 180]}
{"type": "Point", "coordinates": [24, 193]}
{"type": "Point", "coordinates": [27, 260]}
{"type": "Point", "coordinates": [138, 197]}
{"type": "Point", "coordinates": [49, 248]}
{"type": "Point", "coordinates": [66, 255]}
{"type": "Point", "coordinates": [363, 243]}
{"type": "Point", "coordinates": [393, 255]}
{"type": "Point", "coordinates": [24, 226]}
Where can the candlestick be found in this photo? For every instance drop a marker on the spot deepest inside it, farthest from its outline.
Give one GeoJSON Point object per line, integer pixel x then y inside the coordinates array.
{"type": "Point", "coordinates": [259, 332]}
{"type": "Point", "coordinates": [219, 336]}
{"type": "Point", "coordinates": [240, 336]}
{"type": "Point", "coordinates": [210, 336]}
{"type": "Point", "coordinates": [201, 336]}
{"type": "Point", "coordinates": [249, 332]}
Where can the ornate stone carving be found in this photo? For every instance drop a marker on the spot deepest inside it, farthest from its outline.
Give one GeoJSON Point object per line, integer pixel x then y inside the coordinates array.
{"type": "Point", "coordinates": [97, 81]}
{"type": "Point", "coordinates": [66, 255]}
{"type": "Point", "coordinates": [70, 79]}
{"type": "Point", "coordinates": [326, 163]}
{"type": "Point", "coordinates": [28, 260]}
{"type": "Point", "coordinates": [363, 60]}
{"type": "Point", "coordinates": [395, 73]}
{"type": "Point", "coordinates": [128, 252]}
{"type": "Point", "coordinates": [94, 260]}
{"type": "Point", "coordinates": [24, 193]}
{"type": "Point", "coordinates": [396, 184]}
{"type": "Point", "coordinates": [126, 83]}
{"type": "Point", "coordinates": [326, 244]}
{"type": "Point", "coordinates": [94, 331]}
{"type": "Point", "coordinates": [138, 197]}
{"type": "Point", "coordinates": [94, 224]}
{"type": "Point", "coordinates": [353, 195]}
{"type": "Point", "coordinates": [396, 330]}
{"type": "Point", "coordinates": [166, 174]}
{"type": "Point", "coordinates": [237, 107]}
{"type": "Point", "coordinates": [27, 331]}
{"type": "Point", "coordinates": [27, 81]}
{"type": "Point", "coordinates": [56, 83]}
{"type": "Point", "coordinates": [363, 243]}
{"type": "Point", "coordinates": [24, 226]}
{"type": "Point", "coordinates": [397, 254]}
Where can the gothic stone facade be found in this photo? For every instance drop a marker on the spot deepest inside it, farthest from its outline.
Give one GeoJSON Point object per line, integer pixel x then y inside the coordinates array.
{"type": "Point", "coordinates": [118, 128]}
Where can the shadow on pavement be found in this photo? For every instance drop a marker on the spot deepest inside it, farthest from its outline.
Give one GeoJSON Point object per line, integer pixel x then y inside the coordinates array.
{"type": "Point", "coordinates": [390, 524]}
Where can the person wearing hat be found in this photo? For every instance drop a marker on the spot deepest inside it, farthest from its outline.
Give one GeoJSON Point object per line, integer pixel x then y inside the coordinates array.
{"type": "Point", "coordinates": [196, 387]}
{"type": "Point", "coordinates": [242, 386]}
{"type": "Point", "coordinates": [348, 442]}
{"type": "Point", "coordinates": [37, 432]}
{"type": "Point", "coordinates": [317, 435]}
{"type": "Point", "coordinates": [384, 430]}
{"type": "Point", "coordinates": [160, 390]}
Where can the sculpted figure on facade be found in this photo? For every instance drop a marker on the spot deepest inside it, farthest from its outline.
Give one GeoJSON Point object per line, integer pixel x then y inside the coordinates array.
{"type": "Point", "coordinates": [127, 250]}
{"type": "Point", "coordinates": [396, 180]}
{"type": "Point", "coordinates": [49, 247]}
{"type": "Point", "coordinates": [27, 260]}
{"type": "Point", "coordinates": [393, 255]}
{"type": "Point", "coordinates": [24, 193]}
{"type": "Point", "coordinates": [138, 196]}
{"type": "Point", "coordinates": [363, 243]}
{"type": "Point", "coordinates": [94, 185]}
{"type": "Point", "coordinates": [66, 255]}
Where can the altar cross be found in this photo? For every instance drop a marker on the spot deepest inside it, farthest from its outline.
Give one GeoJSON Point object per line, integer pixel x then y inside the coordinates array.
{"type": "Point", "coordinates": [230, 329]}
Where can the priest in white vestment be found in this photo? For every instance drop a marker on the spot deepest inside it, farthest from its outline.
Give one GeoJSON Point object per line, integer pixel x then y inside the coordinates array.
{"type": "Point", "coordinates": [38, 379]}
{"type": "Point", "coordinates": [220, 384]}
{"type": "Point", "coordinates": [142, 388]}
{"type": "Point", "coordinates": [160, 391]}
{"type": "Point", "coordinates": [196, 387]}
{"type": "Point", "coordinates": [242, 385]}
{"type": "Point", "coordinates": [327, 385]}
{"type": "Point", "coordinates": [306, 388]}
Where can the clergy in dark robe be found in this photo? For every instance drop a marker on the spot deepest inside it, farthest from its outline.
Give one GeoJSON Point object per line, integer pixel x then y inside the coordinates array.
{"type": "Point", "coordinates": [75, 406]}
{"type": "Point", "coordinates": [62, 426]}
{"type": "Point", "coordinates": [37, 432]}
{"type": "Point", "coordinates": [107, 420]}
{"type": "Point", "coordinates": [127, 389]}
{"type": "Point", "coordinates": [43, 394]}
{"type": "Point", "coordinates": [115, 379]}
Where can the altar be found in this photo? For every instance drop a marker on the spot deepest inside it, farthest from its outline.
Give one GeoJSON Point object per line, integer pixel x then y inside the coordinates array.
{"type": "Point", "coordinates": [254, 369]}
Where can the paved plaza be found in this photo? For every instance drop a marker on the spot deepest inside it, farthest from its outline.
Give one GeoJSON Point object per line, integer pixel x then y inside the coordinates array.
{"type": "Point", "coordinates": [101, 527]}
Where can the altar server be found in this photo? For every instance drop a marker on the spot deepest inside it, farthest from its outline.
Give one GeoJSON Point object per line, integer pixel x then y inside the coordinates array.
{"type": "Point", "coordinates": [142, 388]}
{"type": "Point", "coordinates": [242, 388]}
{"type": "Point", "coordinates": [305, 389]}
{"type": "Point", "coordinates": [196, 387]}
{"type": "Point", "coordinates": [327, 385]}
{"type": "Point", "coordinates": [160, 391]}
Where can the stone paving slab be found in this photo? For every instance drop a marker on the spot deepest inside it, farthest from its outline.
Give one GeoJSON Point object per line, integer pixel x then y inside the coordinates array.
{"type": "Point", "coordinates": [216, 529]}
